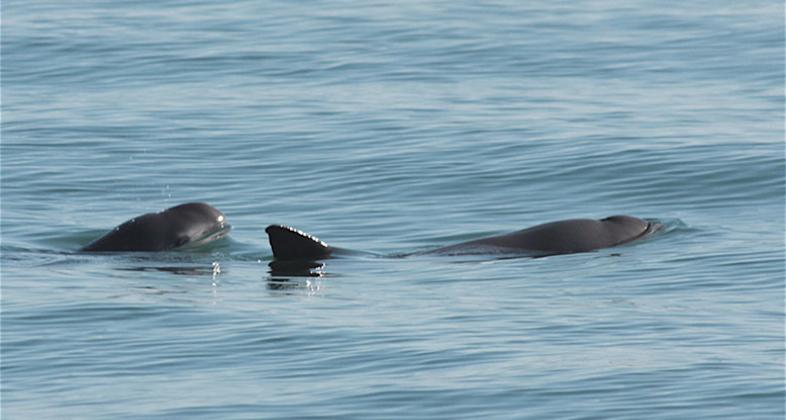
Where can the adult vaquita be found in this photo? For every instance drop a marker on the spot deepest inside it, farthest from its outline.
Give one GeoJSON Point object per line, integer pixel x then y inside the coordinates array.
{"type": "Point", "coordinates": [189, 224]}
{"type": "Point", "coordinates": [554, 238]}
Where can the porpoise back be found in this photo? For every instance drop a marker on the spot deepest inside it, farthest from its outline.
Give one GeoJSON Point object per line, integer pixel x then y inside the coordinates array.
{"type": "Point", "coordinates": [560, 237]}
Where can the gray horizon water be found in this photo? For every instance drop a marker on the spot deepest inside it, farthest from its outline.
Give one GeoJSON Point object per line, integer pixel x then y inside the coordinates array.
{"type": "Point", "coordinates": [391, 128]}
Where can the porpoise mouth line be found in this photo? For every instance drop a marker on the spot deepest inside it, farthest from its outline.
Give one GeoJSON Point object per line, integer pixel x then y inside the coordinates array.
{"type": "Point", "coordinates": [648, 230]}
{"type": "Point", "coordinates": [209, 236]}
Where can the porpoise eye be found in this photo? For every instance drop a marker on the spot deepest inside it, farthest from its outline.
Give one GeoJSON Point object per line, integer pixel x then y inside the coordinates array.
{"type": "Point", "coordinates": [182, 240]}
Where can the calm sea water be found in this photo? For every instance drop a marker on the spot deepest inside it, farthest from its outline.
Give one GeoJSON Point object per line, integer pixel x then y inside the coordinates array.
{"type": "Point", "coordinates": [391, 127]}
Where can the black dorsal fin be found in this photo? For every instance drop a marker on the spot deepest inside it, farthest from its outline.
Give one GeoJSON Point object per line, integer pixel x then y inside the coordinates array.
{"type": "Point", "coordinates": [289, 243]}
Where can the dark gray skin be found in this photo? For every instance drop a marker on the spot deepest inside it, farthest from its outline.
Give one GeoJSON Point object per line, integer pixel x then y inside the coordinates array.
{"type": "Point", "coordinates": [290, 244]}
{"type": "Point", "coordinates": [186, 224]}
{"type": "Point", "coordinates": [561, 237]}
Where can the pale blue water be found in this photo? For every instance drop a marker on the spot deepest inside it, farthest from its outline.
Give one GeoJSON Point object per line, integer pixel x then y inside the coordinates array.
{"type": "Point", "coordinates": [388, 128]}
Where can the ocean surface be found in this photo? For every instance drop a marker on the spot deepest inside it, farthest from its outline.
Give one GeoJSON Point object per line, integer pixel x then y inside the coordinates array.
{"type": "Point", "coordinates": [392, 127]}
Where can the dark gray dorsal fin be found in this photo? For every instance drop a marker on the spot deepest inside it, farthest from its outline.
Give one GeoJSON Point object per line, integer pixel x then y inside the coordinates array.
{"type": "Point", "coordinates": [289, 243]}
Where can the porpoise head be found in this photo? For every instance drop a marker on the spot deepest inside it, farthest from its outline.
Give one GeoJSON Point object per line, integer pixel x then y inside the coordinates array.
{"type": "Point", "coordinates": [194, 224]}
{"type": "Point", "coordinates": [628, 228]}
{"type": "Point", "coordinates": [186, 224]}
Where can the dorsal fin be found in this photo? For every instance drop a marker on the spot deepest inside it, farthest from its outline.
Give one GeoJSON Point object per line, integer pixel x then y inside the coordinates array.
{"type": "Point", "coordinates": [289, 243]}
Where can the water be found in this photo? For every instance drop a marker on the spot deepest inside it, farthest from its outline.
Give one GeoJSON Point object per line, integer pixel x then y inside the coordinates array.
{"type": "Point", "coordinates": [390, 128]}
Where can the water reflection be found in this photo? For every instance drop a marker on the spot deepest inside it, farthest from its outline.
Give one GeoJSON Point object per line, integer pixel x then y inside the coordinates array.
{"type": "Point", "coordinates": [297, 268]}
{"type": "Point", "coordinates": [179, 270]}
{"type": "Point", "coordinates": [288, 275]}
